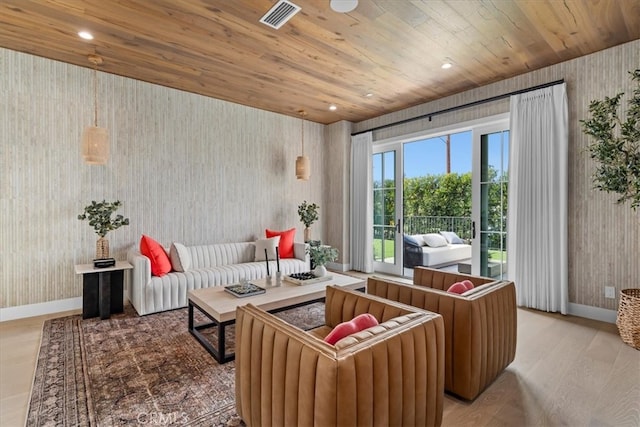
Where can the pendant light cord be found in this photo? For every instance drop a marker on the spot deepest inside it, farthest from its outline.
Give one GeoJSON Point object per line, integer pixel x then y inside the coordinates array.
{"type": "Point", "coordinates": [95, 94]}
{"type": "Point", "coordinates": [302, 113]}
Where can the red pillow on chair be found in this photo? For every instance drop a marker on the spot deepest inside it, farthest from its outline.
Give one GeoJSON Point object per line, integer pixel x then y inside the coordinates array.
{"type": "Point", "coordinates": [344, 329]}
{"type": "Point", "coordinates": [160, 263]}
{"type": "Point", "coordinates": [285, 247]}
{"type": "Point", "coordinates": [457, 288]}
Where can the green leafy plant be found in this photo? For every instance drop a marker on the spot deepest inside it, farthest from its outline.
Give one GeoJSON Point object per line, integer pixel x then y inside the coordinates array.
{"type": "Point", "coordinates": [617, 145]}
{"type": "Point", "coordinates": [322, 254]}
{"type": "Point", "coordinates": [308, 213]}
{"type": "Point", "coordinates": [99, 216]}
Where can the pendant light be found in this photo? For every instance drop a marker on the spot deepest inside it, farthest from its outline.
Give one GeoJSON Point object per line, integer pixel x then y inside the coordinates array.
{"type": "Point", "coordinates": [302, 162]}
{"type": "Point", "coordinates": [95, 140]}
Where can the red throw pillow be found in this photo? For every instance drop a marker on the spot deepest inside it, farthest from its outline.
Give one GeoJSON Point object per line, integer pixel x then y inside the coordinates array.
{"type": "Point", "coordinates": [468, 284]}
{"type": "Point", "coordinates": [457, 288]}
{"type": "Point", "coordinates": [285, 247]}
{"type": "Point", "coordinates": [344, 329]}
{"type": "Point", "coordinates": [160, 263]}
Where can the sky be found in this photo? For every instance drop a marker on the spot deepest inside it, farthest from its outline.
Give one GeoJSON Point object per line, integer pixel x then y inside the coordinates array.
{"type": "Point", "coordinates": [428, 156]}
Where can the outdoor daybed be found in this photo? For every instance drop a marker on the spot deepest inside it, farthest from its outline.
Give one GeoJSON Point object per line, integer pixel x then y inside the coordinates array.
{"type": "Point", "coordinates": [434, 250]}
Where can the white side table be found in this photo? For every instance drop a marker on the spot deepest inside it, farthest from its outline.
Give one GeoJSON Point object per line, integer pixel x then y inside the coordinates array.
{"type": "Point", "coordinates": [102, 289]}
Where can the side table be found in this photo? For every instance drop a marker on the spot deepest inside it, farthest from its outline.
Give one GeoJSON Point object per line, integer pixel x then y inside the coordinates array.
{"type": "Point", "coordinates": [102, 289]}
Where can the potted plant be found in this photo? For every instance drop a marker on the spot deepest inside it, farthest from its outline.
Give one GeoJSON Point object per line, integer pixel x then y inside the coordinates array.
{"type": "Point", "coordinates": [321, 255]}
{"type": "Point", "coordinates": [99, 216]}
{"type": "Point", "coordinates": [308, 215]}
{"type": "Point", "coordinates": [616, 145]}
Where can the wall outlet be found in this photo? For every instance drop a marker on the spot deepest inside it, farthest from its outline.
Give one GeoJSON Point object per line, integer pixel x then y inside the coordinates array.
{"type": "Point", "coordinates": [609, 292]}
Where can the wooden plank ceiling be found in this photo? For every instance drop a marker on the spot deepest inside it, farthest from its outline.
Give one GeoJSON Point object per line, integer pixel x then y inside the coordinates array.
{"type": "Point", "coordinates": [392, 49]}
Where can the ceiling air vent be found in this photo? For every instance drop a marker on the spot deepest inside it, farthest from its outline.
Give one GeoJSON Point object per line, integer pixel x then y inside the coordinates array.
{"type": "Point", "coordinates": [279, 14]}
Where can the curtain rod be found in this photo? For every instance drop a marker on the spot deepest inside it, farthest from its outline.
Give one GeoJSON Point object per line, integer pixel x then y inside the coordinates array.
{"type": "Point", "coordinates": [459, 107]}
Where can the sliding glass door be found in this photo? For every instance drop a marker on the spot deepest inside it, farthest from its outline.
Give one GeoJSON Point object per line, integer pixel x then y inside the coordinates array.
{"type": "Point", "coordinates": [447, 182]}
{"type": "Point", "coordinates": [490, 213]}
{"type": "Point", "coordinates": [387, 236]}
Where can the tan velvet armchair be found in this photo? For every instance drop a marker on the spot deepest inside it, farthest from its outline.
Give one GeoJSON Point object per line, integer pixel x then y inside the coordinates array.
{"type": "Point", "coordinates": [480, 329]}
{"type": "Point", "coordinates": [388, 375]}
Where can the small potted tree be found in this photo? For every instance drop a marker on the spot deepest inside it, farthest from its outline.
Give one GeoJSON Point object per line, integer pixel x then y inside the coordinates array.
{"type": "Point", "coordinates": [616, 145]}
{"type": "Point", "coordinates": [321, 255]}
{"type": "Point", "coordinates": [308, 215]}
{"type": "Point", "coordinates": [99, 216]}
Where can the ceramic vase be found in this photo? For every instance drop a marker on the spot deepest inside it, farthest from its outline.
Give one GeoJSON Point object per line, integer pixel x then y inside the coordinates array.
{"type": "Point", "coordinates": [102, 248]}
{"type": "Point", "coordinates": [307, 234]}
{"type": "Point", "coordinates": [320, 270]}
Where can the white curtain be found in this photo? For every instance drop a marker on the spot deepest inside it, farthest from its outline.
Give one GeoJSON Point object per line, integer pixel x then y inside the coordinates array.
{"type": "Point", "coordinates": [361, 203]}
{"type": "Point", "coordinates": [537, 223]}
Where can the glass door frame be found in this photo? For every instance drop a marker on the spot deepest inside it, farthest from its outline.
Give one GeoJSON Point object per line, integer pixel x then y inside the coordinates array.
{"type": "Point", "coordinates": [501, 123]}
{"type": "Point", "coordinates": [395, 268]}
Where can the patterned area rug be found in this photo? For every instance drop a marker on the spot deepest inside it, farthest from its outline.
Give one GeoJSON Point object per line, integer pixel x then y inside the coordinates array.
{"type": "Point", "coordinates": [131, 370]}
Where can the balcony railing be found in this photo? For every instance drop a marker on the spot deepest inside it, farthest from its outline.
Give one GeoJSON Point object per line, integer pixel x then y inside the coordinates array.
{"type": "Point", "coordinates": [434, 224]}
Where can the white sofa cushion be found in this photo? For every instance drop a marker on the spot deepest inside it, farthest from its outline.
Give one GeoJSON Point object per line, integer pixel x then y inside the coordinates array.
{"type": "Point", "coordinates": [180, 258]}
{"type": "Point", "coordinates": [221, 254]}
{"type": "Point", "coordinates": [266, 247]}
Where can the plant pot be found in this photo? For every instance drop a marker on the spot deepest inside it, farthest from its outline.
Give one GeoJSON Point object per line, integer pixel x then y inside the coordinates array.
{"type": "Point", "coordinates": [102, 248]}
{"type": "Point", "coordinates": [307, 234]}
{"type": "Point", "coordinates": [320, 271]}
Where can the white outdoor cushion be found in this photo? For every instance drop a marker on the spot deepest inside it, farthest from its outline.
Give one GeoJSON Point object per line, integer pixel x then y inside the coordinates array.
{"type": "Point", "coordinates": [452, 237]}
{"type": "Point", "coordinates": [180, 258]}
{"type": "Point", "coordinates": [434, 240]}
{"type": "Point", "coordinates": [418, 238]}
{"type": "Point", "coordinates": [270, 245]}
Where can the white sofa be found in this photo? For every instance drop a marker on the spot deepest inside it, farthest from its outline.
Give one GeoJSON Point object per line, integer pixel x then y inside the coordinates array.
{"type": "Point", "coordinates": [210, 265]}
{"type": "Point", "coordinates": [417, 252]}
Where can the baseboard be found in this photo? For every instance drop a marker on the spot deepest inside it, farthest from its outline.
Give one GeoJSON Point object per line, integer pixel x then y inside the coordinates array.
{"type": "Point", "coordinates": [595, 313]}
{"type": "Point", "coordinates": [31, 310]}
{"type": "Point", "coordinates": [334, 266]}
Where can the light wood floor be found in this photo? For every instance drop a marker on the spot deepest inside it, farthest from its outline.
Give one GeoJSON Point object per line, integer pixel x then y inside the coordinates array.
{"type": "Point", "coordinates": [568, 371]}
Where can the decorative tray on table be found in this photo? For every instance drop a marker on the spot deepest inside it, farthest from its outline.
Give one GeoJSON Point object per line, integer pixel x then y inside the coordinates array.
{"type": "Point", "coordinates": [242, 290]}
{"type": "Point", "coordinates": [306, 278]}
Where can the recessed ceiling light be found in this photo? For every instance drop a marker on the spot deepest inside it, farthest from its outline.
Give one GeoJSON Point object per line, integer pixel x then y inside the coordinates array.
{"type": "Point", "coordinates": [369, 95]}
{"type": "Point", "coordinates": [86, 35]}
{"type": "Point", "coordinates": [446, 65]}
{"type": "Point", "coordinates": [333, 107]}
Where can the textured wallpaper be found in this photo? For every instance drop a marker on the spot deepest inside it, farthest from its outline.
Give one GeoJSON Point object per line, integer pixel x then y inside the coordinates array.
{"type": "Point", "coordinates": [604, 238]}
{"type": "Point", "coordinates": [199, 170]}
{"type": "Point", "coordinates": [187, 168]}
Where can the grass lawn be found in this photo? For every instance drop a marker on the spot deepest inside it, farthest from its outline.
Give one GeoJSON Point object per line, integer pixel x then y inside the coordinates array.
{"type": "Point", "coordinates": [389, 249]}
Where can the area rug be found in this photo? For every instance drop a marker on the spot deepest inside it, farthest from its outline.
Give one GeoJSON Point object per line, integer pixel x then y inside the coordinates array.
{"type": "Point", "coordinates": [132, 370]}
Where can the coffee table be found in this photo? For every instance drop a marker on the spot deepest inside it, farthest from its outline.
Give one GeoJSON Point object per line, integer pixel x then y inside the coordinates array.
{"type": "Point", "coordinates": [220, 306]}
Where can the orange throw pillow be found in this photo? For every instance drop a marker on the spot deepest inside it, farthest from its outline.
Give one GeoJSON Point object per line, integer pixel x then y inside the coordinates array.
{"type": "Point", "coordinates": [285, 247]}
{"type": "Point", "coordinates": [160, 263]}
